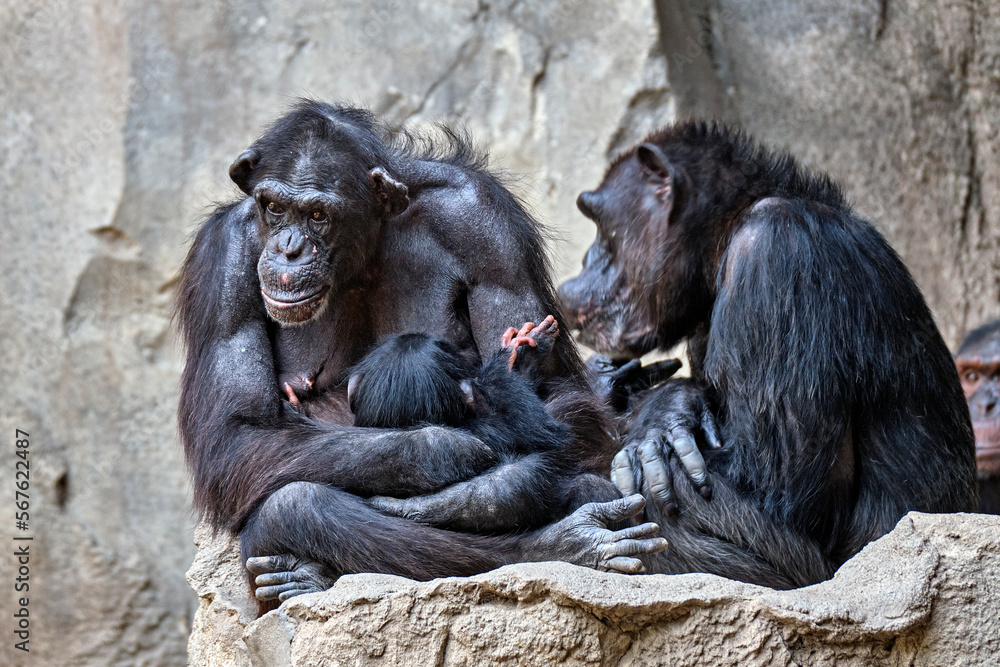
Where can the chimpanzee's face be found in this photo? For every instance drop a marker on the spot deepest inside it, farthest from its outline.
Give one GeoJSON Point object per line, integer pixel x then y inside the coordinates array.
{"type": "Point", "coordinates": [979, 370]}
{"type": "Point", "coordinates": [320, 215]}
{"type": "Point", "coordinates": [623, 301]}
{"type": "Point", "coordinates": [313, 235]}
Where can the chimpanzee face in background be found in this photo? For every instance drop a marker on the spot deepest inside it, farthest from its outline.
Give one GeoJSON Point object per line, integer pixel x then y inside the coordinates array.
{"type": "Point", "coordinates": [978, 363]}
{"type": "Point", "coordinates": [631, 295]}
{"type": "Point", "coordinates": [320, 211]}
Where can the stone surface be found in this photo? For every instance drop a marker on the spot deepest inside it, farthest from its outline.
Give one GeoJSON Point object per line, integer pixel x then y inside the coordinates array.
{"type": "Point", "coordinates": [900, 101]}
{"type": "Point", "coordinates": [118, 120]}
{"type": "Point", "coordinates": [925, 594]}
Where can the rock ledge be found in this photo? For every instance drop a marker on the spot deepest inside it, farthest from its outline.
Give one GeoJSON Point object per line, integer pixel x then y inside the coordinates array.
{"type": "Point", "coordinates": [926, 594]}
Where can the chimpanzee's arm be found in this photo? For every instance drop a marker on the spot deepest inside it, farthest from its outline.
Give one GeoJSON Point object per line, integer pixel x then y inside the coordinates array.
{"type": "Point", "coordinates": [308, 550]}
{"type": "Point", "coordinates": [500, 249]}
{"type": "Point", "coordinates": [519, 494]}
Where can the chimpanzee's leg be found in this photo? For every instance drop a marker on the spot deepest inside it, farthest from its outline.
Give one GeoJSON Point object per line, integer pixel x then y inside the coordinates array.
{"type": "Point", "coordinates": [306, 535]}
{"type": "Point", "coordinates": [730, 536]}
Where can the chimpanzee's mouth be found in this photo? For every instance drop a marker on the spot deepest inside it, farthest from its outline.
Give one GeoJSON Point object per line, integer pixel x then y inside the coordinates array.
{"type": "Point", "coordinates": [295, 301]}
{"type": "Point", "coordinates": [294, 308]}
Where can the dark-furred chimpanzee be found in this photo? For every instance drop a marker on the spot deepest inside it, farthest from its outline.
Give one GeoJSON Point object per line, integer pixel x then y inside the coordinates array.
{"type": "Point", "coordinates": [413, 380]}
{"type": "Point", "coordinates": [346, 236]}
{"type": "Point", "coordinates": [839, 405]}
{"type": "Point", "coordinates": [978, 362]}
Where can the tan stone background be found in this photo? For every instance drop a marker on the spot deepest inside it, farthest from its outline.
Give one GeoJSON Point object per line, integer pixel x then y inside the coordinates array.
{"type": "Point", "coordinates": [119, 118]}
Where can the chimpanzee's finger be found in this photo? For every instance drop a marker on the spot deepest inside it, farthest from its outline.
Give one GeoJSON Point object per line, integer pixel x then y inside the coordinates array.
{"type": "Point", "coordinates": [711, 428]}
{"type": "Point", "coordinates": [616, 510]}
{"type": "Point", "coordinates": [265, 564]}
{"type": "Point", "coordinates": [292, 593]}
{"type": "Point", "coordinates": [627, 371]}
{"type": "Point", "coordinates": [638, 547]}
{"type": "Point", "coordinates": [549, 324]}
{"type": "Point", "coordinates": [274, 578]}
{"type": "Point", "coordinates": [647, 529]}
{"type": "Point", "coordinates": [656, 477]}
{"type": "Point", "coordinates": [623, 565]}
{"type": "Point", "coordinates": [507, 337]}
{"type": "Point", "coordinates": [653, 374]}
{"type": "Point", "coordinates": [683, 443]}
{"type": "Point", "coordinates": [265, 593]}
{"type": "Point", "coordinates": [622, 475]}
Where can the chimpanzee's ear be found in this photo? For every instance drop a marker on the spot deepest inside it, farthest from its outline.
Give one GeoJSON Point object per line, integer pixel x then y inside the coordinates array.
{"type": "Point", "coordinates": [243, 167]}
{"type": "Point", "coordinates": [657, 167]}
{"type": "Point", "coordinates": [389, 192]}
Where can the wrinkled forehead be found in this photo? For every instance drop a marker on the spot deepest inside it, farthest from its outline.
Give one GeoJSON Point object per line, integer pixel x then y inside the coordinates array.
{"type": "Point", "coordinates": [325, 161]}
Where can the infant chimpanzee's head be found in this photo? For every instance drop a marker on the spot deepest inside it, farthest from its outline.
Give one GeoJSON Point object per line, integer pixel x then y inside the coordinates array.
{"type": "Point", "coordinates": [411, 379]}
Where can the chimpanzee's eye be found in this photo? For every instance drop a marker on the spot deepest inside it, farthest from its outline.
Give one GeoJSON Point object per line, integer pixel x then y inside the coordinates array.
{"type": "Point", "coordinates": [275, 208]}
{"type": "Point", "coordinates": [971, 376]}
{"type": "Point", "coordinates": [318, 222]}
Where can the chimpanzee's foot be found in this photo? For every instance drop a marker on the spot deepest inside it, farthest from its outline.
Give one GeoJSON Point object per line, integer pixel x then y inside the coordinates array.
{"type": "Point", "coordinates": [531, 335]}
{"type": "Point", "coordinates": [285, 576]}
{"type": "Point", "coordinates": [583, 538]}
{"type": "Point", "coordinates": [403, 508]}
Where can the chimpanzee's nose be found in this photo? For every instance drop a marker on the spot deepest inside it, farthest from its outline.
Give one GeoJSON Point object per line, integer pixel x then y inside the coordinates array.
{"type": "Point", "coordinates": [585, 202]}
{"type": "Point", "coordinates": [990, 405]}
{"type": "Point", "coordinates": [984, 403]}
{"type": "Point", "coordinates": [293, 246]}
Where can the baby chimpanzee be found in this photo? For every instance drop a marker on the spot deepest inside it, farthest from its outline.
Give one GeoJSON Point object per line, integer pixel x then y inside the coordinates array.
{"type": "Point", "coordinates": [415, 380]}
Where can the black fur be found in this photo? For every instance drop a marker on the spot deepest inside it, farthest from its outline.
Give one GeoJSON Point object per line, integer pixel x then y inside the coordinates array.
{"type": "Point", "coordinates": [838, 400]}
{"type": "Point", "coordinates": [410, 380]}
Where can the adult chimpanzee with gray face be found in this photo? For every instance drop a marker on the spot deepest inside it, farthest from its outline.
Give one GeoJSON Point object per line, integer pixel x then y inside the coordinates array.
{"type": "Point", "coordinates": [838, 402]}
{"type": "Point", "coordinates": [342, 239]}
{"type": "Point", "coordinates": [978, 363]}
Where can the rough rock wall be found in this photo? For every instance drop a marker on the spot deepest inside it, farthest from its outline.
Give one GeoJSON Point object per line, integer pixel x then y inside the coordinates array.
{"type": "Point", "coordinates": [924, 595]}
{"type": "Point", "coordinates": [118, 119]}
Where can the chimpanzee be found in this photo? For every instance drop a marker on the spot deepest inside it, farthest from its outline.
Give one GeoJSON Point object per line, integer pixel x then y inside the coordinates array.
{"type": "Point", "coordinates": [978, 362]}
{"type": "Point", "coordinates": [346, 235]}
{"type": "Point", "coordinates": [412, 380]}
{"type": "Point", "coordinates": [810, 345]}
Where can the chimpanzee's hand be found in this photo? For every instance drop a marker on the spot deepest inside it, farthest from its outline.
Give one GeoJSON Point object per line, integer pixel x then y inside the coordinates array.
{"type": "Point", "coordinates": [539, 337]}
{"type": "Point", "coordinates": [583, 538]}
{"type": "Point", "coordinates": [668, 423]}
{"type": "Point", "coordinates": [615, 381]}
